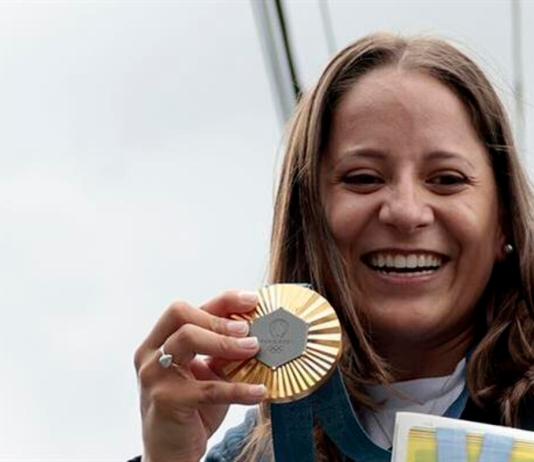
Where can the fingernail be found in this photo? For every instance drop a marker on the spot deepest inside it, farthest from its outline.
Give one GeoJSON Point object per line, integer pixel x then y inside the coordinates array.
{"type": "Point", "coordinates": [237, 327]}
{"type": "Point", "coordinates": [248, 297]}
{"type": "Point", "coordinates": [257, 390]}
{"type": "Point", "coordinates": [248, 342]}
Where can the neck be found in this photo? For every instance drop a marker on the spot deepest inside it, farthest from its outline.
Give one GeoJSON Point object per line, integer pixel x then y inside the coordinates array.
{"type": "Point", "coordinates": [412, 360]}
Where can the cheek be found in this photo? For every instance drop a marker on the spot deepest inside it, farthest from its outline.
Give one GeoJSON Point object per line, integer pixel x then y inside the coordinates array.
{"type": "Point", "coordinates": [475, 225]}
{"type": "Point", "coordinates": [347, 218]}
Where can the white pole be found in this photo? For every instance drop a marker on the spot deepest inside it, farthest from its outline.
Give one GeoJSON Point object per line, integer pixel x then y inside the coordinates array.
{"type": "Point", "coordinates": [276, 50]}
{"type": "Point", "coordinates": [517, 55]}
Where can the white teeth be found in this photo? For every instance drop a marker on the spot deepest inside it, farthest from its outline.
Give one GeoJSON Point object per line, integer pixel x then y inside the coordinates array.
{"type": "Point", "coordinates": [400, 261]}
{"type": "Point", "coordinates": [409, 274]}
{"type": "Point", "coordinates": [381, 260]}
{"type": "Point", "coordinates": [411, 261]}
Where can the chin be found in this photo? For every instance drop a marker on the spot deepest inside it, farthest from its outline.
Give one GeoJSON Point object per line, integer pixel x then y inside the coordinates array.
{"type": "Point", "coordinates": [407, 325]}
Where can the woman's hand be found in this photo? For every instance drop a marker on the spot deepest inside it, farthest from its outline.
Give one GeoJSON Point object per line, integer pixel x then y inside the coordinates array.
{"type": "Point", "coordinates": [183, 405]}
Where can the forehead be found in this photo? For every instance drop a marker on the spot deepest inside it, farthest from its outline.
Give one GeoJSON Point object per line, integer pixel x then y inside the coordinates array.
{"type": "Point", "coordinates": [402, 108]}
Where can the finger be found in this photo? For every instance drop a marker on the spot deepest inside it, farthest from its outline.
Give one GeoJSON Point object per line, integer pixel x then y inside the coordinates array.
{"type": "Point", "coordinates": [179, 314]}
{"type": "Point", "coordinates": [195, 394]}
{"type": "Point", "coordinates": [151, 372]}
{"type": "Point", "coordinates": [191, 340]}
{"type": "Point", "coordinates": [217, 392]}
{"type": "Point", "coordinates": [209, 368]}
{"type": "Point", "coordinates": [218, 366]}
{"type": "Point", "coordinates": [202, 371]}
{"type": "Point", "coordinates": [230, 302]}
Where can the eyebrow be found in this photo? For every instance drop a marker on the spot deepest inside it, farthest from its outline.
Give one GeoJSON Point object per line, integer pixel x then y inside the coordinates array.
{"type": "Point", "coordinates": [370, 153]}
{"type": "Point", "coordinates": [446, 155]}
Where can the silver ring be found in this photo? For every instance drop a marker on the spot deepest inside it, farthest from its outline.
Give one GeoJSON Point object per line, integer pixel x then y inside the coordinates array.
{"type": "Point", "coordinates": [166, 359]}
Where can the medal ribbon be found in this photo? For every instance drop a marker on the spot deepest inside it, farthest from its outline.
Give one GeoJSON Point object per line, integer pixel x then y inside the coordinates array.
{"type": "Point", "coordinates": [331, 407]}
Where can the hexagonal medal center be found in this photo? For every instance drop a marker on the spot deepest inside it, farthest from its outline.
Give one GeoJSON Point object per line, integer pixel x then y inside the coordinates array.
{"type": "Point", "coordinates": [282, 337]}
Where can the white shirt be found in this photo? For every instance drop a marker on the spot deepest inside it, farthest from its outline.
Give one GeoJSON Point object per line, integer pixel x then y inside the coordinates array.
{"type": "Point", "coordinates": [431, 395]}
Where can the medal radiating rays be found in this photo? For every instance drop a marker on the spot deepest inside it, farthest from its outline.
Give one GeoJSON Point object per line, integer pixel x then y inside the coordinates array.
{"type": "Point", "coordinates": [287, 316]}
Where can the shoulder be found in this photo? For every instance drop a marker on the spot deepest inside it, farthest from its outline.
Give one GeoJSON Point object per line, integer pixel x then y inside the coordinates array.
{"type": "Point", "coordinates": [234, 439]}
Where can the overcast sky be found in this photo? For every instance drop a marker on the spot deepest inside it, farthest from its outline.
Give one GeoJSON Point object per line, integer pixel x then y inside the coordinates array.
{"type": "Point", "coordinates": [138, 156]}
{"type": "Point", "coordinates": [138, 147]}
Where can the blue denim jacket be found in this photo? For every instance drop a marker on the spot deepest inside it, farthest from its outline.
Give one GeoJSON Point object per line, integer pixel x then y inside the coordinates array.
{"type": "Point", "coordinates": [234, 440]}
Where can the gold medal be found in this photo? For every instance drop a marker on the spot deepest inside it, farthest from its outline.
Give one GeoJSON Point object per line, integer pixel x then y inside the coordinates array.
{"type": "Point", "coordinates": [300, 343]}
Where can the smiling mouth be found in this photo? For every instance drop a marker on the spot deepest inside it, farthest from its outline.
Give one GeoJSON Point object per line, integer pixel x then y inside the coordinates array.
{"type": "Point", "coordinates": [404, 264]}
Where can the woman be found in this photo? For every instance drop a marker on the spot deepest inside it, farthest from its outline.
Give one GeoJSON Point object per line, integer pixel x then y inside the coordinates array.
{"type": "Point", "coordinates": [402, 201]}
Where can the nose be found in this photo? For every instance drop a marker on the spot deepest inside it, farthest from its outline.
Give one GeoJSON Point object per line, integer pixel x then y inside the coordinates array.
{"type": "Point", "coordinates": [406, 208]}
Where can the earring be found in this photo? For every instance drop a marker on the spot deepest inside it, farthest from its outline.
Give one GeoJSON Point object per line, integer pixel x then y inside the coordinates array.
{"type": "Point", "coordinates": [508, 249]}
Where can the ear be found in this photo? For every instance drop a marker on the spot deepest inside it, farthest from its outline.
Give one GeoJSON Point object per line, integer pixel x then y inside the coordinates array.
{"type": "Point", "coordinates": [500, 254]}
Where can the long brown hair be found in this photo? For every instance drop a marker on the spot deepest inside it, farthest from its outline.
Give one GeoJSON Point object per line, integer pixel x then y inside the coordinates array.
{"type": "Point", "coordinates": [501, 368]}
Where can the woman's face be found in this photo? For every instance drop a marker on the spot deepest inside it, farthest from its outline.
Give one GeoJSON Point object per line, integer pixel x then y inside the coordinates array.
{"type": "Point", "coordinates": [410, 197]}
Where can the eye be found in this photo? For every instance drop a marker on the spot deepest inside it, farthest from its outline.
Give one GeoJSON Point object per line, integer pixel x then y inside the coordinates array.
{"type": "Point", "coordinates": [363, 178]}
{"type": "Point", "coordinates": [449, 181]}
{"type": "Point", "coordinates": [365, 181]}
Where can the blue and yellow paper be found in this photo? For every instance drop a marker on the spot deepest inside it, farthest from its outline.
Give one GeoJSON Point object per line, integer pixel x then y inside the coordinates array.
{"type": "Point", "coordinates": [428, 438]}
{"type": "Point", "coordinates": [423, 447]}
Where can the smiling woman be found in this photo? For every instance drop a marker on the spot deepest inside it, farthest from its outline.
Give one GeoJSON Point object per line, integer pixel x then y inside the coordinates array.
{"type": "Point", "coordinates": [402, 201]}
{"type": "Point", "coordinates": [410, 199]}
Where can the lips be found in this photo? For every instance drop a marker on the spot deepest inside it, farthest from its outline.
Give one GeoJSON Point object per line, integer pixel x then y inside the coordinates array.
{"type": "Point", "coordinates": [415, 262]}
